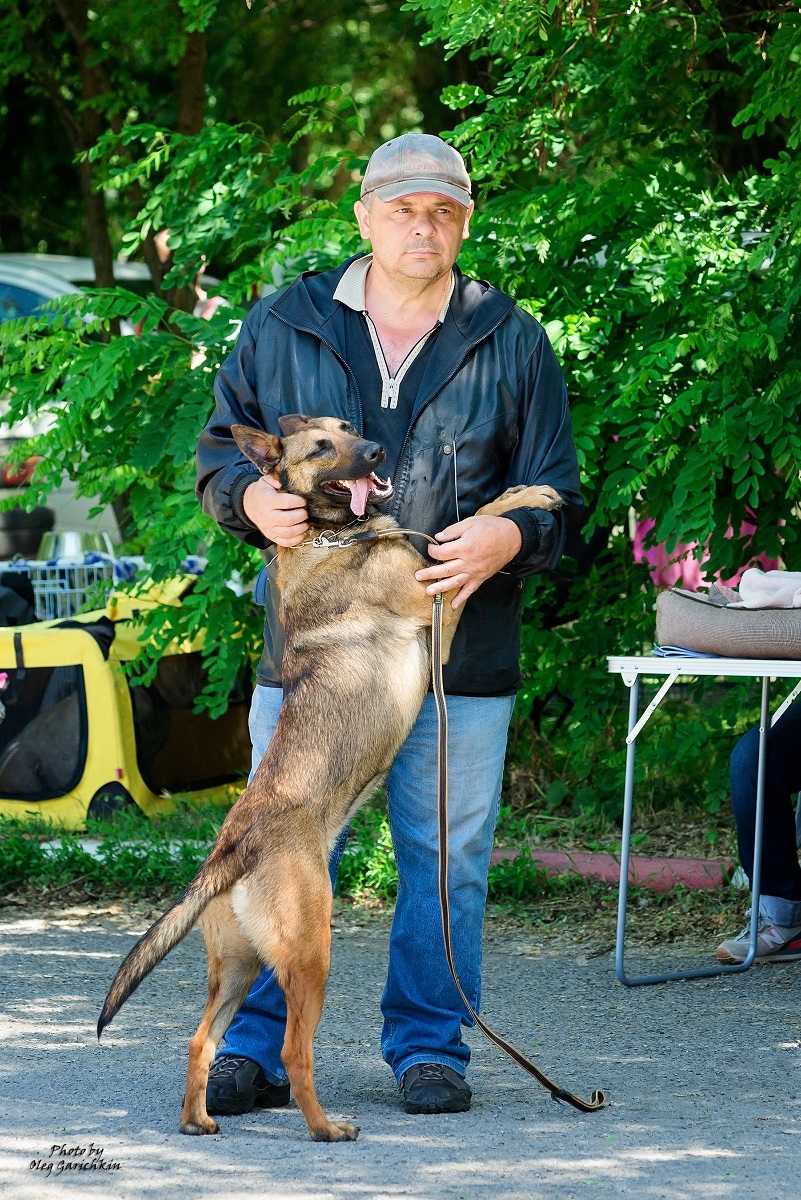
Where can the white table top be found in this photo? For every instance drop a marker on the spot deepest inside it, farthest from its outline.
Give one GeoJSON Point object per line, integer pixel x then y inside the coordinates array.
{"type": "Point", "coordinates": [650, 664]}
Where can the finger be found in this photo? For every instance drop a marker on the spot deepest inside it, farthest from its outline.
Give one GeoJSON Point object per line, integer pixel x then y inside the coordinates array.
{"type": "Point", "coordinates": [290, 517]}
{"type": "Point", "coordinates": [290, 539]}
{"type": "Point", "coordinates": [299, 529]}
{"type": "Point", "coordinates": [452, 532]}
{"type": "Point", "coordinates": [439, 571]}
{"type": "Point", "coordinates": [448, 551]}
{"type": "Point", "coordinates": [447, 585]}
{"type": "Point", "coordinates": [286, 500]}
{"type": "Point", "coordinates": [274, 480]}
{"type": "Point", "coordinates": [464, 594]}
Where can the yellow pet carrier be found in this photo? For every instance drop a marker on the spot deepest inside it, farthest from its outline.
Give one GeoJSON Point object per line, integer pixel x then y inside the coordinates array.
{"type": "Point", "coordinates": [76, 740]}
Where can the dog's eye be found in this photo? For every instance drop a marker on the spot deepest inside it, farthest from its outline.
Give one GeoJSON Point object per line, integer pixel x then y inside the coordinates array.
{"type": "Point", "coordinates": [320, 449]}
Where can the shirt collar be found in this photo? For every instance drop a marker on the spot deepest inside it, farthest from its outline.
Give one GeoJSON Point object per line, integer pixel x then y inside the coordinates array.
{"type": "Point", "coordinates": [350, 289]}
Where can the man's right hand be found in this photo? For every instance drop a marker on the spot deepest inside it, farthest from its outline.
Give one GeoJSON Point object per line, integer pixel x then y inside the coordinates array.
{"type": "Point", "coordinates": [280, 516]}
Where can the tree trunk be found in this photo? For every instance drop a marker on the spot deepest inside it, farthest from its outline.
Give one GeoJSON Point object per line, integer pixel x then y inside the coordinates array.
{"type": "Point", "coordinates": [191, 110]}
{"type": "Point", "coordinates": [192, 84]}
{"type": "Point", "coordinates": [91, 124]}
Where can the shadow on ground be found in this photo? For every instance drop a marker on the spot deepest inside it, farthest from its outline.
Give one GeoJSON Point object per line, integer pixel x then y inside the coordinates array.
{"type": "Point", "coordinates": [703, 1080]}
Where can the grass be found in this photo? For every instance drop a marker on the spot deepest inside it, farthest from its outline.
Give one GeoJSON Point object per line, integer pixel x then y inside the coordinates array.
{"type": "Point", "coordinates": [149, 862]}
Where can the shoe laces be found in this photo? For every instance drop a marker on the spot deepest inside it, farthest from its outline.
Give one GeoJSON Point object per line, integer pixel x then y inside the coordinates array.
{"type": "Point", "coordinates": [762, 924]}
{"type": "Point", "coordinates": [228, 1064]}
{"type": "Point", "coordinates": [431, 1071]}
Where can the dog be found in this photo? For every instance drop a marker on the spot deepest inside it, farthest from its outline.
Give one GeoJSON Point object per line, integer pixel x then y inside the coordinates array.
{"type": "Point", "coordinates": [355, 672]}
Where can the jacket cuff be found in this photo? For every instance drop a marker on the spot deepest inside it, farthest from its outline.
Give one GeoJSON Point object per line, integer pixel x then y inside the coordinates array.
{"type": "Point", "coordinates": [527, 523]}
{"type": "Point", "coordinates": [237, 492]}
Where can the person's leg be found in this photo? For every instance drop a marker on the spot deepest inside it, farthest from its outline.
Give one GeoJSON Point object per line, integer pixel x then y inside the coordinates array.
{"type": "Point", "coordinates": [780, 885]}
{"type": "Point", "coordinates": [422, 1009]}
{"type": "Point", "coordinates": [257, 1030]}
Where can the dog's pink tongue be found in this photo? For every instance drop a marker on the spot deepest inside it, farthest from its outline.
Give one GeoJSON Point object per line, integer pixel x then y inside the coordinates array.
{"type": "Point", "coordinates": [359, 491]}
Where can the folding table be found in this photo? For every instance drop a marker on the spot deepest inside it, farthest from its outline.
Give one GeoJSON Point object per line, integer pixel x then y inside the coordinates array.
{"type": "Point", "coordinates": [631, 669]}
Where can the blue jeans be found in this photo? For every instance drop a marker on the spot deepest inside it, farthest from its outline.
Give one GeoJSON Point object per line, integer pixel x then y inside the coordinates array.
{"type": "Point", "coordinates": [780, 886]}
{"type": "Point", "coordinates": [422, 1010]}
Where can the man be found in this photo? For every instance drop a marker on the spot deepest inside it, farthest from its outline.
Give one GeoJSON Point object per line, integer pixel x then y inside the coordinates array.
{"type": "Point", "coordinates": [463, 390]}
{"type": "Point", "coordinates": [779, 936]}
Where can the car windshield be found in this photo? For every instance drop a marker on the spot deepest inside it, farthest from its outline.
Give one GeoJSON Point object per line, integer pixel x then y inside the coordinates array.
{"type": "Point", "coordinates": [18, 302]}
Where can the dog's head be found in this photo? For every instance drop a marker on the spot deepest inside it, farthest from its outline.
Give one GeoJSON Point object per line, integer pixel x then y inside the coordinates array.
{"type": "Point", "coordinates": [322, 459]}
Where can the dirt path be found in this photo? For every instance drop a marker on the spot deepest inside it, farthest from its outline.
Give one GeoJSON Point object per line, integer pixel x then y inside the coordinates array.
{"type": "Point", "coordinates": [704, 1080]}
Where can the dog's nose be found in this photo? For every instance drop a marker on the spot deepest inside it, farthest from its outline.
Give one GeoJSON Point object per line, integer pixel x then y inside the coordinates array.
{"type": "Point", "coordinates": [374, 454]}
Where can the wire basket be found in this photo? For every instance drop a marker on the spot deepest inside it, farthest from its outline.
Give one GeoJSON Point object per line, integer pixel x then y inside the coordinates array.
{"type": "Point", "coordinates": [61, 589]}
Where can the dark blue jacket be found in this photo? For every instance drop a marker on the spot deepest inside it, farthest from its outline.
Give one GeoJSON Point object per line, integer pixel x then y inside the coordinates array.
{"type": "Point", "coordinates": [491, 412]}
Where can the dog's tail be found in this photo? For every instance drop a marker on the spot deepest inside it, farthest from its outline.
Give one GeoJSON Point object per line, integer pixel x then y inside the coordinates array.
{"type": "Point", "coordinates": [219, 872]}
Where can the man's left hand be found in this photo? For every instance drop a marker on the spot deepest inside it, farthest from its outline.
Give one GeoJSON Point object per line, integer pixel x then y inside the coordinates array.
{"type": "Point", "coordinates": [471, 551]}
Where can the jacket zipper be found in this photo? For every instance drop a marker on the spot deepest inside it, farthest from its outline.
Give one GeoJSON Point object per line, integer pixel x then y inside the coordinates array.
{"type": "Point", "coordinates": [400, 489]}
{"type": "Point", "coordinates": [401, 464]}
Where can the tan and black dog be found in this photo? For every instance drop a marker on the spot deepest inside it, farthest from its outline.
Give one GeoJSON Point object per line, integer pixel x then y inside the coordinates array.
{"type": "Point", "coordinates": [355, 673]}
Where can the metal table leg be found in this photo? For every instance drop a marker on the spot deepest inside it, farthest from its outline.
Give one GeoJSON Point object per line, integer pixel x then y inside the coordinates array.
{"type": "Point", "coordinates": [628, 804]}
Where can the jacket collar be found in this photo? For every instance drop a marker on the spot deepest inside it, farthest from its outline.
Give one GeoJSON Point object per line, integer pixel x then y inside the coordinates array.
{"type": "Point", "coordinates": [351, 288]}
{"type": "Point", "coordinates": [475, 309]}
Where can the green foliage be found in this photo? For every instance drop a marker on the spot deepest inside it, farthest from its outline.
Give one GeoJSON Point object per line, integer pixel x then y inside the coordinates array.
{"type": "Point", "coordinates": [640, 196]}
{"type": "Point", "coordinates": [638, 187]}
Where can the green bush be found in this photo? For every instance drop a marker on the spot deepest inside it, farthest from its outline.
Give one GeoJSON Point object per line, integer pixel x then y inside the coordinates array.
{"type": "Point", "coordinates": [637, 177]}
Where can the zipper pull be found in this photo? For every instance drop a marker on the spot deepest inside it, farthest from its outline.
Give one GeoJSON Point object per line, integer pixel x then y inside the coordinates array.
{"type": "Point", "coordinates": [393, 400]}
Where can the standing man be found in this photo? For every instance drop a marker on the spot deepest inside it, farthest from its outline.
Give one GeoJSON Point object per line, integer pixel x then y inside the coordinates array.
{"type": "Point", "coordinates": [464, 392]}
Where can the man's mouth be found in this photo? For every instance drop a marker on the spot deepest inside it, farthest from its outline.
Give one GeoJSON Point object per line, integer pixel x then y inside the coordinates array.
{"type": "Point", "coordinates": [359, 492]}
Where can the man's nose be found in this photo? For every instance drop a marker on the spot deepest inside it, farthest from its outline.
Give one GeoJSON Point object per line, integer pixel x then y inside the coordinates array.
{"type": "Point", "coordinates": [424, 226]}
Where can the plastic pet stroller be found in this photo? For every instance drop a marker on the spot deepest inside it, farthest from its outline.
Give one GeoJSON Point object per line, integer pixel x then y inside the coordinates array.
{"type": "Point", "coordinates": [76, 740]}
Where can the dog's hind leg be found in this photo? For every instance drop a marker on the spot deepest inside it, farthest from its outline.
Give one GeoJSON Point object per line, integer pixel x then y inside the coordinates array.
{"type": "Point", "coordinates": [233, 966]}
{"type": "Point", "coordinates": [298, 942]}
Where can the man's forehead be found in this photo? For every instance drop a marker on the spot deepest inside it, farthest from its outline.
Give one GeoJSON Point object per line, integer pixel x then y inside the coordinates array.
{"type": "Point", "coordinates": [424, 198]}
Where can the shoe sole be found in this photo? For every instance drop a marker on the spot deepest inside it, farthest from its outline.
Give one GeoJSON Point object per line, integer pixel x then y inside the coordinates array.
{"type": "Point", "coordinates": [433, 1109]}
{"type": "Point", "coordinates": [762, 960]}
{"type": "Point", "coordinates": [240, 1111]}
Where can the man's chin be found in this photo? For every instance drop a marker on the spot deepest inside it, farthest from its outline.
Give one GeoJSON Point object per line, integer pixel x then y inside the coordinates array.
{"type": "Point", "coordinates": [423, 268]}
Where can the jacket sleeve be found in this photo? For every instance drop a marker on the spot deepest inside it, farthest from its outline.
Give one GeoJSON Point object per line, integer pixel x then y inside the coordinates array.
{"type": "Point", "coordinates": [223, 472]}
{"type": "Point", "coordinates": [545, 454]}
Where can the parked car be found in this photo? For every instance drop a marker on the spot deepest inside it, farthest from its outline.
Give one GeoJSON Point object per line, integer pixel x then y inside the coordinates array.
{"type": "Point", "coordinates": [27, 283]}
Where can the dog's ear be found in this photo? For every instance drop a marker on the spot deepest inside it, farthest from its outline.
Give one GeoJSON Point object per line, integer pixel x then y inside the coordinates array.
{"type": "Point", "coordinates": [292, 423]}
{"type": "Point", "coordinates": [263, 449]}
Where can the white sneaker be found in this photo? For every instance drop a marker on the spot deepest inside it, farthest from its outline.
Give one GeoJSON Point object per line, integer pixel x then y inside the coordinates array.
{"type": "Point", "coordinates": [775, 943]}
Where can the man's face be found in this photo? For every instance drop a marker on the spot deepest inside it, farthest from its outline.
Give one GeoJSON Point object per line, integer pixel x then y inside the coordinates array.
{"type": "Point", "coordinates": [415, 237]}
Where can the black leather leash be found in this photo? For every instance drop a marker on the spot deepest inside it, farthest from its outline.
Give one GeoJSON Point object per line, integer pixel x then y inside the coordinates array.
{"type": "Point", "coordinates": [331, 541]}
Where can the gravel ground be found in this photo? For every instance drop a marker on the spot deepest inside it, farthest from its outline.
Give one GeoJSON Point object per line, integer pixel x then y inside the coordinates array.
{"type": "Point", "coordinates": [703, 1080]}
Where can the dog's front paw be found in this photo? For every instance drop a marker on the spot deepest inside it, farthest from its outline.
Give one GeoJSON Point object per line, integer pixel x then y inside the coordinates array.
{"type": "Point", "coordinates": [197, 1128]}
{"type": "Point", "coordinates": [335, 1131]}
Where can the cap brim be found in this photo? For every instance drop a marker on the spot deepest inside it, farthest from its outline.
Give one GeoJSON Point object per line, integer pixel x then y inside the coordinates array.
{"type": "Point", "coordinates": [408, 187]}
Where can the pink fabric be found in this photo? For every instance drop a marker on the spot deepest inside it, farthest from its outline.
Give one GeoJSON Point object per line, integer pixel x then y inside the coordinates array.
{"type": "Point", "coordinates": [683, 568]}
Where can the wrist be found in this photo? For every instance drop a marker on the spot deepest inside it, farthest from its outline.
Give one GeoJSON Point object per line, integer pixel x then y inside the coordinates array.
{"type": "Point", "coordinates": [513, 538]}
{"type": "Point", "coordinates": [240, 486]}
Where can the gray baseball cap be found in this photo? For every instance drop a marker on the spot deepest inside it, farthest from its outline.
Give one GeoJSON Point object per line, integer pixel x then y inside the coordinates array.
{"type": "Point", "coordinates": [416, 162]}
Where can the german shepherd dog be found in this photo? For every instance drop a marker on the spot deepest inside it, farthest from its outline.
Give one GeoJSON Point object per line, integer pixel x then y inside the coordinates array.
{"type": "Point", "coordinates": [355, 673]}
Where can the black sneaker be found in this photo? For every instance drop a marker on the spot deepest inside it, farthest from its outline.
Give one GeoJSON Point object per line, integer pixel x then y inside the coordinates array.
{"type": "Point", "coordinates": [432, 1088]}
{"type": "Point", "coordinates": [238, 1085]}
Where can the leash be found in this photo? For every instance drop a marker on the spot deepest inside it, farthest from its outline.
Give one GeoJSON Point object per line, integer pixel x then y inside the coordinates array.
{"type": "Point", "coordinates": [331, 540]}
{"type": "Point", "coordinates": [558, 1093]}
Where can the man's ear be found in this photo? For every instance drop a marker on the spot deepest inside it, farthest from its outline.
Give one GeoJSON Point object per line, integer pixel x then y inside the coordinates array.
{"type": "Point", "coordinates": [263, 449]}
{"type": "Point", "coordinates": [292, 423]}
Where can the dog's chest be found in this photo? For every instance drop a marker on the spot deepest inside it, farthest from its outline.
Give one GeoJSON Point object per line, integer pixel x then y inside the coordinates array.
{"type": "Point", "coordinates": [405, 661]}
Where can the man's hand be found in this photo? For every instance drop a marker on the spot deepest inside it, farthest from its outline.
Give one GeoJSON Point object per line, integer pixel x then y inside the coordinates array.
{"type": "Point", "coordinates": [471, 552]}
{"type": "Point", "coordinates": [280, 516]}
